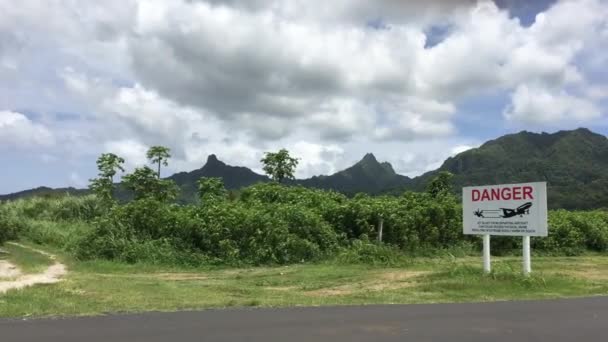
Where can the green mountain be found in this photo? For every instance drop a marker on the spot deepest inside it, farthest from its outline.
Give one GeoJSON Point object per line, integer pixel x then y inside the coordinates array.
{"type": "Point", "coordinates": [573, 163]}
{"type": "Point", "coordinates": [368, 175]}
{"type": "Point", "coordinates": [235, 177]}
{"type": "Point", "coordinates": [44, 191]}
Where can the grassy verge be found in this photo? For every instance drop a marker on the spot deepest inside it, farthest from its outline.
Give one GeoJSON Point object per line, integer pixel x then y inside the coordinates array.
{"type": "Point", "coordinates": [101, 287]}
{"type": "Point", "coordinates": [28, 260]}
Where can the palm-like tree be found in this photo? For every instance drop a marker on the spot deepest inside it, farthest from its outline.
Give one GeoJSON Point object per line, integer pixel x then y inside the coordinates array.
{"type": "Point", "coordinates": [159, 155]}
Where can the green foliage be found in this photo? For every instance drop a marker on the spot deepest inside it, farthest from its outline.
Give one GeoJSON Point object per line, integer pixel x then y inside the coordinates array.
{"type": "Point", "coordinates": [440, 185]}
{"type": "Point", "coordinates": [144, 183]}
{"type": "Point", "coordinates": [271, 223]}
{"type": "Point", "coordinates": [572, 233]}
{"type": "Point", "coordinates": [102, 187]}
{"type": "Point", "coordinates": [58, 209]}
{"type": "Point", "coordinates": [108, 165]}
{"type": "Point", "coordinates": [224, 232]}
{"type": "Point", "coordinates": [48, 220]}
{"type": "Point", "coordinates": [211, 189]}
{"type": "Point", "coordinates": [279, 165]}
{"type": "Point", "coordinates": [159, 155]}
{"type": "Point", "coordinates": [9, 225]}
{"type": "Point", "coordinates": [365, 252]}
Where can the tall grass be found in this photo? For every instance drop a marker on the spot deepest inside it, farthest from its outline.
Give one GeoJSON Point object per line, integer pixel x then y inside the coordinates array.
{"type": "Point", "coordinates": [65, 208]}
{"type": "Point", "coordinates": [57, 222]}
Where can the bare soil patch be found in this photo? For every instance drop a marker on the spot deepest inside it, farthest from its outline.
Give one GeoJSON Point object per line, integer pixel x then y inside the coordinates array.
{"type": "Point", "coordinates": [8, 270]}
{"type": "Point", "coordinates": [51, 275]}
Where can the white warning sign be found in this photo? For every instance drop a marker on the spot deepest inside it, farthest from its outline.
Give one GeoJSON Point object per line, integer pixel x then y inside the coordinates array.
{"type": "Point", "coordinates": [505, 209]}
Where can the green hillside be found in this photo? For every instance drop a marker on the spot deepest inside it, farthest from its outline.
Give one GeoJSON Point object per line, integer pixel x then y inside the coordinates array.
{"type": "Point", "coordinates": [368, 175]}
{"type": "Point", "coordinates": [44, 191]}
{"type": "Point", "coordinates": [573, 163]}
{"type": "Point", "coordinates": [235, 177]}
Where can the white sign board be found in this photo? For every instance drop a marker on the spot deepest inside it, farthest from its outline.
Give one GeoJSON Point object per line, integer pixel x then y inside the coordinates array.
{"type": "Point", "coordinates": [505, 209]}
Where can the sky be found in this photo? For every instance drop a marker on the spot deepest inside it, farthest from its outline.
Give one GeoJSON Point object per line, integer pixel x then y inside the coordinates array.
{"type": "Point", "coordinates": [413, 82]}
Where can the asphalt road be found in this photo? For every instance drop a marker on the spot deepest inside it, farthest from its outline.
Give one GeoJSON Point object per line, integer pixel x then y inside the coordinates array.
{"type": "Point", "coordinates": [561, 320]}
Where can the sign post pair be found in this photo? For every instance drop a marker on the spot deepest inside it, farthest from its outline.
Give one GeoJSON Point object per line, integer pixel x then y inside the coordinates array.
{"type": "Point", "coordinates": [507, 210]}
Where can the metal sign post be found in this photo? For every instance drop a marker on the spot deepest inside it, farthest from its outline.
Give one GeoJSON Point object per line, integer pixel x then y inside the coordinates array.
{"type": "Point", "coordinates": [526, 256]}
{"type": "Point", "coordinates": [487, 268]}
{"type": "Point", "coordinates": [507, 210]}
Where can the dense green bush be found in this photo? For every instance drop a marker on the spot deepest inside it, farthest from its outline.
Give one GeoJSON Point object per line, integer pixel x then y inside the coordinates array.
{"type": "Point", "coordinates": [411, 221]}
{"type": "Point", "coordinates": [57, 221]}
{"type": "Point", "coordinates": [572, 233]}
{"type": "Point", "coordinates": [65, 208]}
{"type": "Point", "coordinates": [9, 224]}
{"type": "Point", "coordinates": [366, 252]}
{"type": "Point", "coordinates": [277, 224]}
{"type": "Point", "coordinates": [223, 232]}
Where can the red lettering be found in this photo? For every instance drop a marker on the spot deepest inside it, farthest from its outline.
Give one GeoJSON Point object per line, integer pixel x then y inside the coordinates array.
{"type": "Point", "coordinates": [517, 193]}
{"type": "Point", "coordinates": [505, 193]}
{"type": "Point", "coordinates": [528, 193]}
{"type": "Point", "coordinates": [475, 195]}
{"type": "Point", "coordinates": [495, 194]}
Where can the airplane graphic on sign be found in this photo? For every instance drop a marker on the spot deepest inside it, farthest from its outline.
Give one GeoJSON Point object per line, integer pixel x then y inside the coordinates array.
{"type": "Point", "coordinates": [522, 210]}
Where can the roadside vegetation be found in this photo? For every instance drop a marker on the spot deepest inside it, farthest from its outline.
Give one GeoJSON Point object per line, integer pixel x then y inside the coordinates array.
{"type": "Point", "coordinates": [29, 260]}
{"type": "Point", "coordinates": [273, 244]}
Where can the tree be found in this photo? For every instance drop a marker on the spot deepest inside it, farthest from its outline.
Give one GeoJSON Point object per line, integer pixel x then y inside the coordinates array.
{"type": "Point", "coordinates": [211, 189]}
{"type": "Point", "coordinates": [440, 184]}
{"type": "Point", "coordinates": [145, 184]}
{"type": "Point", "coordinates": [108, 165]}
{"type": "Point", "coordinates": [159, 155]}
{"type": "Point", "coordinates": [280, 165]}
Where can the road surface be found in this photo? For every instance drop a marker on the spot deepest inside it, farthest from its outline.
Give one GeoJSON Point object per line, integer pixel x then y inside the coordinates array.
{"type": "Point", "coordinates": [560, 320]}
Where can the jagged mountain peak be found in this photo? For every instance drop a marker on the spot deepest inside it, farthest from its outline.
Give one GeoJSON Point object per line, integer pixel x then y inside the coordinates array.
{"type": "Point", "coordinates": [372, 166]}
{"type": "Point", "coordinates": [388, 167]}
{"type": "Point", "coordinates": [368, 158]}
{"type": "Point", "coordinates": [213, 160]}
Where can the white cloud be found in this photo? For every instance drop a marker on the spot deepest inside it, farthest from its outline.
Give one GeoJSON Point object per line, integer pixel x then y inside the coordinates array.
{"type": "Point", "coordinates": [281, 70]}
{"type": "Point", "coordinates": [17, 130]}
{"type": "Point", "coordinates": [133, 151]}
{"type": "Point", "coordinates": [461, 148]}
{"type": "Point", "coordinates": [316, 159]}
{"type": "Point", "coordinates": [330, 82]}
{"type": "Point", "coordinates": [340, 78]}
{"type": "Point", "coordinates": [597, 92]}
{"type": "Point", "coordinates": [77, 181]}
{"type": "Point", "coordinates": [539, 105]}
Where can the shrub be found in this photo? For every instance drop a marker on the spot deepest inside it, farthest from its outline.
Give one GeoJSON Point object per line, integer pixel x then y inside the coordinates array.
{"type": "Point", "coordinates": [366, 252]}
{"type": "Point", "coordinates": [277, 224]}
{"type": "Point", "coordinates": [65, 208]}
{"type": "Point", "coordinates": [9, 224]}
{"type": "Point", "coordinates": [224, 232]}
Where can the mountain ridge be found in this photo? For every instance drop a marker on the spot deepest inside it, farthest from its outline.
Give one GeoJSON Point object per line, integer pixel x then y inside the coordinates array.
{"type": "Point", "coordinates": [573, 163]}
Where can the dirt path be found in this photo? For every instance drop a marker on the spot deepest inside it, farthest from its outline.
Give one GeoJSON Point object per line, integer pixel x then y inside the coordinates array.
{"type": "Point", "coordinates": [8, 270]}
{"type": "Point", "coordinates": [51, 275]}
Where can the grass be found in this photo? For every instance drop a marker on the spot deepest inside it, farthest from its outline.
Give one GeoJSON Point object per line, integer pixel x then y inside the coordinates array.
{"type": "Point", "coordinates": [100, 286]}
{"type": "Point", "coordinates": [28, 260]}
